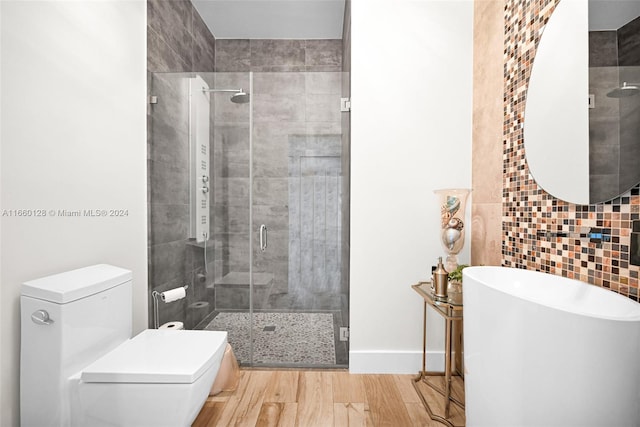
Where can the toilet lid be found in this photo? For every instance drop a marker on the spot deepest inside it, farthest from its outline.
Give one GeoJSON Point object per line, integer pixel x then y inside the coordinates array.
{"type": "Point", "coordinates": [159, 356]}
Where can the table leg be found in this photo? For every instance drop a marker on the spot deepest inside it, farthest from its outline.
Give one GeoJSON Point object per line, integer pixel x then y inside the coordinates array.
{"type": "Point", "coordinates": [447, 368]}
{"type": "Point", "coordinates": [424, 339]}
{"type": "Point", "coordinates": [423, 371]}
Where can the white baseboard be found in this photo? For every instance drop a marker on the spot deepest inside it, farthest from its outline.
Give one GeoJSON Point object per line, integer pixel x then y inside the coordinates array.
{"type": "Point", "coordinates": [393, 362]}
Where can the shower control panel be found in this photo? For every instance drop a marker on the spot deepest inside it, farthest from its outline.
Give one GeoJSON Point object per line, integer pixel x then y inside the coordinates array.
{"type": "Point", "coordinates": [200, 184]}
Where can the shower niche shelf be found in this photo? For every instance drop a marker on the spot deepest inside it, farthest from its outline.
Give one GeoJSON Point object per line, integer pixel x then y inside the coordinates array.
{"type": "Point", "coordinates": [200, 245]}
{"type": "Point", "coordinates": [233, 290]}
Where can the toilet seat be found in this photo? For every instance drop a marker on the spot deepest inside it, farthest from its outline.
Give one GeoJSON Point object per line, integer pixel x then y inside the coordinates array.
{"type": "Point", "coordinates": [158, 356]}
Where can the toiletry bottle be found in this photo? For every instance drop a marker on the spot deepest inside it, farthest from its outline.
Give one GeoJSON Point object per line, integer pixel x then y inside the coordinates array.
{"type": "Point", "coordinates": [432, 278]}
{"type": "Point", "coordinates": [440, 280]}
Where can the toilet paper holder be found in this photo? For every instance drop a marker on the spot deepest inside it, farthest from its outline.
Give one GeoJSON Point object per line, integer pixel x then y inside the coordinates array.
{"type": "Point", "coordinates": [158, 295]}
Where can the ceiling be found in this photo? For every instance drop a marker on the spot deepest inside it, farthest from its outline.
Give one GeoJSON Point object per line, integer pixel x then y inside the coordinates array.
{"type": "Point", "coordinates": [611, 14]}
{"type": "Point", "coordinates": [272, 19]}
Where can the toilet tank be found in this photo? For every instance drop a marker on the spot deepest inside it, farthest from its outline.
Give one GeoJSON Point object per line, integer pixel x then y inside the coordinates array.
{"type": "Point", "coordinates": [68, 320]}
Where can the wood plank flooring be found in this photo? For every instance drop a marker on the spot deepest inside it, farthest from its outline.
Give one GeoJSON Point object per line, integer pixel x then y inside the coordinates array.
{"type": "Point", "coordinates": [317, 398]}
{"type": "Point", "coordinates": [435, 399]}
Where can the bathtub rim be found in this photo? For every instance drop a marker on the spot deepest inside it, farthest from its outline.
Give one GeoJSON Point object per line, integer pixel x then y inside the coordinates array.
{"type": "Point", "coordinates": [633, 314]}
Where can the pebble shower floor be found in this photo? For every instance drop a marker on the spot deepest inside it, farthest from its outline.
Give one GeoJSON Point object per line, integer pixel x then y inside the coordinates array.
{"type": "Point", "coordinates": [280, 338]}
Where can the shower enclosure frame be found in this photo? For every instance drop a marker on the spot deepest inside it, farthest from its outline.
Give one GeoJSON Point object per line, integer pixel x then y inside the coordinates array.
{"type": "Point", "coordinates": [252, 231]}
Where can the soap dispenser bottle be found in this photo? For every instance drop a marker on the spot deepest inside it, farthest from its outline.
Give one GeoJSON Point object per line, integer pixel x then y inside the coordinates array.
{"type": "Point", "coordinates": [440, 280]}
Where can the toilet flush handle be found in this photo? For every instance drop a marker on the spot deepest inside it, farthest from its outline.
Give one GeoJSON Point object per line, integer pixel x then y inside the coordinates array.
{"type": "Point", "coordinates": [41, 317]}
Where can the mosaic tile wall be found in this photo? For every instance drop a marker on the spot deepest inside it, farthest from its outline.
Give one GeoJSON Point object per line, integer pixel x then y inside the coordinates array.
{"type": "Point", "coordinates": [529, 210]}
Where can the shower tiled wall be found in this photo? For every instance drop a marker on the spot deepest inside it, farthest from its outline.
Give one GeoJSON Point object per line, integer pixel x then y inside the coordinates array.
{"type": "Point", "coordinates": [177, 38]}
{"type": "Point", "coordinates": [604, 117]}
{"type": "Point", "coordinates": [278, 55]}
{"type": "Point", "coordinates": [614, 57]}
{"type": "Point", "coordinates": [297, 86]}
{"type": "Point", "coordinates": [177, 41]}
{"type": "Point", "coordinates": [629, 64]}
{"type": "Point", "coordinates": [526, 208]}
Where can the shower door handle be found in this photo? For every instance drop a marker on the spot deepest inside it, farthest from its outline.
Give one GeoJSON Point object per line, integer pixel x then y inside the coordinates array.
{"type": "Point", "coordinates": [263, 237]}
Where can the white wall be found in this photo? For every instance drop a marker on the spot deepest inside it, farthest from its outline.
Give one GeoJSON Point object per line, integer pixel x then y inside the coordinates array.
{"type": "Point", "coordinates": [73, 137]}
{"type": "Point", "coordinates": [2, 392]}
{"type": "Point", "coordinates": [411, 134]}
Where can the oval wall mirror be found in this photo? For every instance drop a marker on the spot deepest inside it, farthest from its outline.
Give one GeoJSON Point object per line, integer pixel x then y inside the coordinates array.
{"type": "Point", "coordinates": [582, 116]}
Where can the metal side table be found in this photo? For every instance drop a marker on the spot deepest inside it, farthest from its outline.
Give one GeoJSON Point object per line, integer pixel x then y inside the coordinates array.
{"type": "Point", "coordinates": [450, 309]}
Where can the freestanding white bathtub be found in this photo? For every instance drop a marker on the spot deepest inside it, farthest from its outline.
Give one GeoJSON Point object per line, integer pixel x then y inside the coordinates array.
{"type": "Point", "coordinates": [543, 350]}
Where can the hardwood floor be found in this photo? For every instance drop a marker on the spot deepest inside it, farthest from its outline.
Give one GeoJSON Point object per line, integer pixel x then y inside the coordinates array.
{"type": "Point", "coordinates": [316, 398]}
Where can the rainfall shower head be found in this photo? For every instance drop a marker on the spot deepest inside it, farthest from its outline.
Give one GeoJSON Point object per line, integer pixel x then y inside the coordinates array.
{"type": "Point", "coordinates": [627, 89]}
{"type": "Point", "coordinates": [239, 96]}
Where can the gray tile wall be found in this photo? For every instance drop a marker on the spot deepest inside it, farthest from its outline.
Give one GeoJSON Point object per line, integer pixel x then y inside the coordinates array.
{"type": "Point", "coordinates": [293, 97]}
{"type": "Point", "coordinates": [629, 44]}
{"type": "Point", "coordinates": [614, 148]}
{"type": "Point", "coordinates": [301, 102]}
{"type": "Point", "coordinates": [629, 132]}
{"type": "Point", "coordinates": [629, 61]}
{"type": "Point", "coordinates": [177, 38]}
{"type": "Point", "coordinates": [278, 55]}
{"type": "Point", "coordinates": [285, 105]}
{"type": "Point", "coordinates": [177, 41]}
{"type": "Point", "coordinates": [291, 110]}
{"type": "Point", "coordinates": [603, 49]}
{"type": "Point", "coordinates": [604, 134]}
{"type": "Point", "coordinates": [315, 215]}
{"type": "Point", "coordinates": [231, 169]}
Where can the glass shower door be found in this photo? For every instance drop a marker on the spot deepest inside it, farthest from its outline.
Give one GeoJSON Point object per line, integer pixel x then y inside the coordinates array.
{"type": "Point", "coordinates": [278, 215]}
{"type": "Point", "coordinates": [298, 298]}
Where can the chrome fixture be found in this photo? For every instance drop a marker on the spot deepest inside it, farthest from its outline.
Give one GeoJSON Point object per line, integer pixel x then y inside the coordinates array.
{"type": "Point", "coordinates": [263, 237]}
{"type": "Point", "coordinates": [627, 89]}
{"type": "Point", "coordinates": [239, 97]}
{"type": "Point", "coordinates": [41, 317]}
{"type": "Point", "coordinates": [158, 295]}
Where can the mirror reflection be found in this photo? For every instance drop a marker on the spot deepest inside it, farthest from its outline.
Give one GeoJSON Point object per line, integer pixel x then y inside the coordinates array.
{"type": "Point", "coordinates": [614, 88]}
{"type": "Point", "coordinates": [582, 152]}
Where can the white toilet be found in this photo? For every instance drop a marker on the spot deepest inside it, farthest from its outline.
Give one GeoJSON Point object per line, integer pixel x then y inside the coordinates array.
{"type": "Point", "coordinates": [80, 366]}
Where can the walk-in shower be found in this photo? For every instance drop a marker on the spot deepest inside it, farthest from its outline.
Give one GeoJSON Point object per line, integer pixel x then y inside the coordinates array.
{"type": "Point", "coordinates": [276, 165]}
